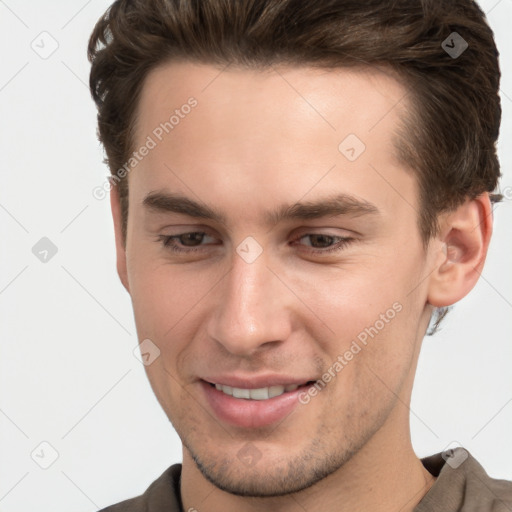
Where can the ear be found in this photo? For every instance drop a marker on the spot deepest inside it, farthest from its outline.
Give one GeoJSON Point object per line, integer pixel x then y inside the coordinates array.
{"type": "Point", "coordinates": [462, 246]}
{"type": "Point", "coordinates": [115, 205]}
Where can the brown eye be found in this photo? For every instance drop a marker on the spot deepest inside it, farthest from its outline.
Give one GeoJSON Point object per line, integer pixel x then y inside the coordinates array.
{"type": "Point", "coordinates": [191, 242]}
{"type": "Point", "coordinates": [321, 241]}
{"type": "Point", "coordinates": [191, 239]}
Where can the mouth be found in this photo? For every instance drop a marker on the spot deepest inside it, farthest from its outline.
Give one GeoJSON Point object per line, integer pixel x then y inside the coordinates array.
{"type": "Point", "coordinates": [263, 393]}
{"type": "Point", "coordinates": [254, 407]}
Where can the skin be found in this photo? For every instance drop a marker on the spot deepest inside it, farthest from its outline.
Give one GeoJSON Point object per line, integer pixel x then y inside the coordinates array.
{"type": "Point", "coordinates": [256, 141]}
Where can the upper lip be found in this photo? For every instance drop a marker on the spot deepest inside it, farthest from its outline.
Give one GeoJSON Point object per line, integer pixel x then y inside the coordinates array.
{"type": "Point", "coordinates": [256, 381]}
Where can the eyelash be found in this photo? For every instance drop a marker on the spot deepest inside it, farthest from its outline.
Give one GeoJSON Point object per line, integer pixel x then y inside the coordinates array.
{"type": "Point", "coordinates": [169, 242]}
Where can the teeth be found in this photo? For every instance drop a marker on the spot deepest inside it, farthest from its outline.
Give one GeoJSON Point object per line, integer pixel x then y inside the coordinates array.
{"type": "Point", "coordinates": [256, 394]}
{"type": "Point", "coordinates": [259, 394]}
{"type": "Point", "coordinates": [241, 393]}
{"type": "Point", "coordinates": [275, 391]}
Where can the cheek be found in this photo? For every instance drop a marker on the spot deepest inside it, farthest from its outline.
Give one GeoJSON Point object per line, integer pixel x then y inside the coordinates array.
{"type": "Point", "coordinates": [373, 361]}
{"type": "Point", "coordinates": [348, 300]}
{"type": "Point", "coordinates": [166, 304]}
{"type": "Point", "coordinates": [366, 316]}
{"type": "Point", "coordinates": [164, 296]}
{"type": "Point", "coordinates": [170, 306]}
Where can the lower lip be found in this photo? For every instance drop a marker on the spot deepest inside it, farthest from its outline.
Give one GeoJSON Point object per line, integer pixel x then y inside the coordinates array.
{"type": "Point", "coordinates": [251, 413]}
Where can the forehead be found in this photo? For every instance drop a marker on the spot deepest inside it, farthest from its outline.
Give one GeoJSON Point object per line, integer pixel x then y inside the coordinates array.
{"type": "Point", "coordinates": [282, 128]}
{"type": "Point", "coordinates": [332, 100]}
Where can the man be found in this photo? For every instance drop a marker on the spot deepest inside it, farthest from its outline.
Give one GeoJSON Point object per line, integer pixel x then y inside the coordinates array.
{"type": "Point", "coordinates": [299, 189]}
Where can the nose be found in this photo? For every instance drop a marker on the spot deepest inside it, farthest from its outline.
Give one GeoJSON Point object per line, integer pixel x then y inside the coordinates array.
{"type": "Point", "coordinates": [253, 308]}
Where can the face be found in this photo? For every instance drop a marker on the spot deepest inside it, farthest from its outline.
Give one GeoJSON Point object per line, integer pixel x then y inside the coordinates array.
{"type": "Point", "coordinates": [273, 243]}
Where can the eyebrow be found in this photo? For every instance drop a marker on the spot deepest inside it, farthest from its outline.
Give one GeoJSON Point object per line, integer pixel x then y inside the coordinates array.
{"type": "Point", "coordinates": [330, 206]}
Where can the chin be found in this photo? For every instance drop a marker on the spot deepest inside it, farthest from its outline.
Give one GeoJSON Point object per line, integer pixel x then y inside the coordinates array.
{"type": "Point", "coordinates": [268, 478]}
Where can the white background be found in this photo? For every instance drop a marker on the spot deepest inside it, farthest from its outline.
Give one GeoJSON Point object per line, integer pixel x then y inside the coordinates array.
{"type": "Point", "coordinates": [68, 374]}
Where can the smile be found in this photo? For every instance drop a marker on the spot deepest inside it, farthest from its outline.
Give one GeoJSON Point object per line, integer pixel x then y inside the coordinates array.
{"type": "Point", "coordinates": [258, 393]}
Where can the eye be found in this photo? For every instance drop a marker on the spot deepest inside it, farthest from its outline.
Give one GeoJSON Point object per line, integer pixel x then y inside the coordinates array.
{"type": "Point", "coordinates": [322, 243]}
{"type": "Point", "coordinates": [185, 242]}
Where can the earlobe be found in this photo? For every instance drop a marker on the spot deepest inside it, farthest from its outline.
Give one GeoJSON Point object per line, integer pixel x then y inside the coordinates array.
{"type": "Point", "coordinates": [115, 205]}
{"type": "Point", "coordinates": [462, 248]}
